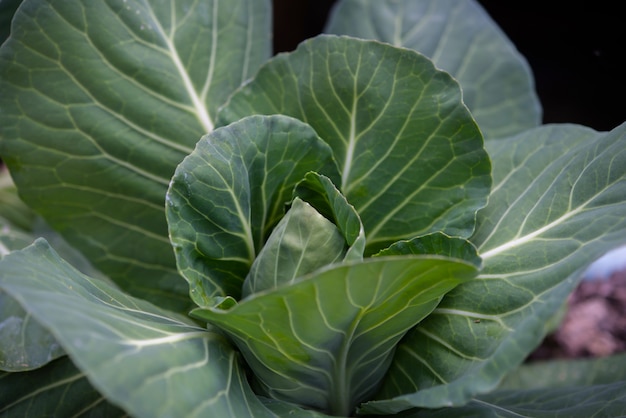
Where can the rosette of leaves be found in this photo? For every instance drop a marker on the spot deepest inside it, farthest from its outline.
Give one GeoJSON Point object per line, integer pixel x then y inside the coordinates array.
{"type": "Point", "coordinates": [317, 324]}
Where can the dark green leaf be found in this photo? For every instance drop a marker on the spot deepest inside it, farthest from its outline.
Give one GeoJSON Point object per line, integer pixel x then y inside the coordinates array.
{"type": "Point", "coordinates": [320, 192]}
{"type": "Point", "coordinates": [559, 202]}
{"type": "Point", "coordinates": [226, 197]}
{"type": "Point", "coordinates": [436, 244]}
{"type": "Point", "coordinates": [149, 361]}
{"type": "Point", "coordinates": [24, 344]}
{"type": "Point", "coordinates": [12, 209]}
{"type": "Point", "coordinates": [461, 38]}
{"type": "Point", "coordinates": [410, 154]}
{"type": "Point", "coordinates": [100, 100]}
{"type": "Point", "coordinates": [302, 242]}
{"type": "Point", "coordinates": [563, 373]}
{"type": "Point", "coordinates": [326, 340]}
{"type": "Point", "coordinates": [578, 402]}
{"type": "Point", "coordinates": [57, 390]}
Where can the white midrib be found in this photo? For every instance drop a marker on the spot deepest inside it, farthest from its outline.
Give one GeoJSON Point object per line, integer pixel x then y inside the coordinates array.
{"type": "Point", "coordinates": [340, 390]}
{"type": "Point", "coordinates": [201, 110]}
{"type": "Point", "coordinates": [169, 339]}
{"type": "Point", "coordinates": [347, 165]}
{"type": "Point", "coordinates": [529, 237]}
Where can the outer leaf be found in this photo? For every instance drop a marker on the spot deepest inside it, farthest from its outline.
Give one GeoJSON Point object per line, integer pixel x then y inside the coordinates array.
{"type": "Point", "coordinates": [132, 351]}
{"type": "Point", "coordinates": [99, 101]}
{"type": "Point", "coordinates": [461, 38]}
{"type": "Point", "coordinates": [578, 402]}
{"type": "Point", "coordinates": [24, 344]}
{"type": "Point", "coordinates": [12, 210]}
{"type": "Point", "coordinates": [326, 341]}
{"type": "Point", "coordinates": [228, 194]}
{"type": "Point", "coordinates": [559, 203]}
{"type": "Point", "coordinates": [320, 192]}
{"type": "Point", "coordinates": [436, 244]}
{"type": "Point", "coordinates": [302, 242]}
{"type": "Point", "coordinates": [563, 373]}
{"type": "Point", "coordinates": [284, 409]}
{"type": "Point", "coordinates": [410, 154]}
{"type": "Point", "coordinates": [59, 390]}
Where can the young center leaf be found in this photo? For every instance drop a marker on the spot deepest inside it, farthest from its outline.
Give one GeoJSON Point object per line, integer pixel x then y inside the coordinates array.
{"type": "Point", "coordinates": [321, 193]}
{"type": "Point", "coordinates": [325, 341]}
{"type": "Point", "coordinates": [558, 204]}
{"type": "Point", "coordinates": [411, 156]}
{"type": "Point", "coordinates": [101, 100]}
{"type": "Point", "coordinates": [320, 228]}
{"type": "Point", "coordinates": [460, 38]}
{"type": "Point", "coordinates": [302, 242]}
{"type": "Point", "coordinates": [131, 351]}
{"type": "Point", "coordinates": [228, 194]}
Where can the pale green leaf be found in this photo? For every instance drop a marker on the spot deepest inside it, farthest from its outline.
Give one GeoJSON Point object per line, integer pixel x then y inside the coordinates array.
{"type": "Point", "coordinates": [131, 351]}
{"type": "Point", "coordinates": [436, 244]}
{"type": "Point", "coordinates": [285, 409]}
{"type": "Point", "coordinates": [319, 191]}
{"type": "Point", "coordinates": [228, 194]}
{"type": "Point", "coordinates": [326, 340]}
{"type": "Point", "coordinates": [410, 154]}
{"type": "Point", "coordinates": [559, 202]}
{"type": "Point", "coordinates": [571, 372]}
{"type": "Point", "coordinates": [57, 390]}
{"type": "Point", "coordinates": [24, 344]}
{"type": "Point", "coordinates": [12, 210]}
{"type": "Point", "coordinates": [461, 38]}
{"type": "Point", "coordinates": [608, 401]}
{"type": "Point", "coordinates": [100, 100]}
{"type": "Point", "coordinates": [302, 242]}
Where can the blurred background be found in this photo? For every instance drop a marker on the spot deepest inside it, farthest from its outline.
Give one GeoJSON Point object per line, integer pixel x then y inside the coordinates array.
{"type": "Point", "coordinates": [575, 51]}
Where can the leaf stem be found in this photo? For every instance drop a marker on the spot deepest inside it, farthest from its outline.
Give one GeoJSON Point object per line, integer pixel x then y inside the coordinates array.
{"type": "Point", "coordinates": [340, 398]}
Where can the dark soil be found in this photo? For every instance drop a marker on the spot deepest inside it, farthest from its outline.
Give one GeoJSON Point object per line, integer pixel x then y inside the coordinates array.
{"type": "Point", "coordinates": [595, 323]}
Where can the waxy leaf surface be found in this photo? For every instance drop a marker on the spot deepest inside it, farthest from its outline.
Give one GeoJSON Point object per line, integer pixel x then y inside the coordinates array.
{"type": "Point", "coordinates": [57, 390]}
{"type": "Point", "coordinates": [321, 193]}
{"type": "Point", "coordinates": [567, 372]}
{"type": "Point", "coordinates": [571, 402]}
{"type": "Point", "coordinates": [437, 243]}
{"type": "Point", "coordinates": [227, 195]}
{"type": "Point", "coordinates": [410, 154]}
{"type": "Point", "coordinates": [129, 349]}
{"type": "Point", "coordinates": [326, 340]}
{"type": "Point", "coordinates": [559, 202]}
{"type": "Point", "coordinates": [100, 100]}
{"type": "Point", "coordinates": [460, 38]}
{"type": "Point", "coordinates": [24, 344]}
{"type": "Point", "coordinates": [302, 242]}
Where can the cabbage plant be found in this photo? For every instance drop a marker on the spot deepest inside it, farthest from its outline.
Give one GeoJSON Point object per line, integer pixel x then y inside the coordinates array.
{"type": "Point", "coordinates": [375, 223]}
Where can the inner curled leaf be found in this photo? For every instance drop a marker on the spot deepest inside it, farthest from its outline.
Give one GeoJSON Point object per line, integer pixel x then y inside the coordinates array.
{"type": "Point", "coordinates": [302, 242]}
